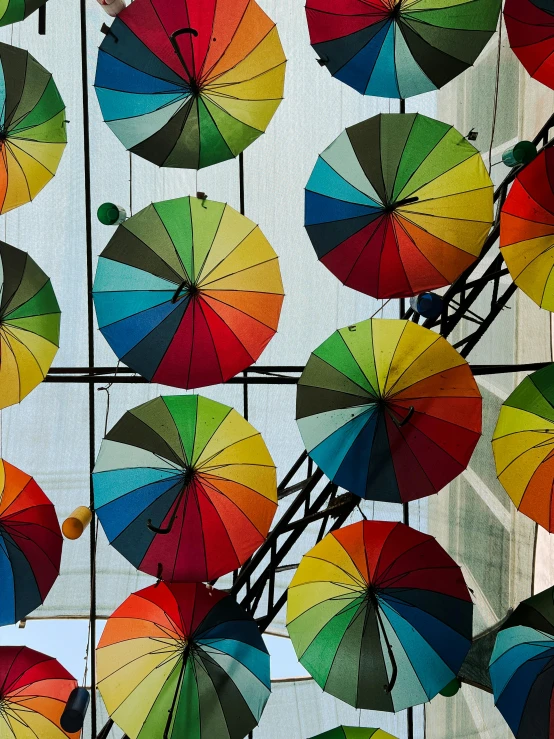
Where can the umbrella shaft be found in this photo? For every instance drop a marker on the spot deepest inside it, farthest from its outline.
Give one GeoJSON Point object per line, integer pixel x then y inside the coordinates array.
{"type": "Point", "coordinates": [179, 683]}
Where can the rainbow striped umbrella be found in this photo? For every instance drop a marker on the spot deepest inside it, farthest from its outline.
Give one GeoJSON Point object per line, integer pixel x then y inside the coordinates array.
{"type": "Point", "coordinates": [184, 660]}
{"type": "Point", "coordinates": [188, 292]}
{"type": "Point", "coordinates": [185, 488]}
{"type": "Point", "coordinates": [400, 48]}
{"type": "Point", "coordinates": [398, 205]}
{"type": "Point", "coordinates": [354, 732]}
{"type": "Point", "coordinates": [32, 127]}
{"type": "Point", "coordinates": [190, 83]}
{"type": "Point", "coordinates": [29, 325]}
{"type": "Point", "coordinates": [380, 615]}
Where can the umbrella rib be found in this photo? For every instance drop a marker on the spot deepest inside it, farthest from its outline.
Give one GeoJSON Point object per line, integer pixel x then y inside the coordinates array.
{"type": "Point", "coordinates": [8, 116]}
{"type": "Point", "coordinates": [212, 89]}
{"type": "Point", "coordinates": [16, 160]}
{"type": "Point", "coordinates": [365, 194]}
{"type": "Point", "coordinates": [522, 454]}
{"type": "Point", "coordinates": [183, 457]}
{"type": "Point", "coordinates": [385, 392]}
{"type": "Point", "coordinates": [432, 415]}
{"type": "Point", "coordinates": [410, 23]}
{"type": "Point", "coordinates": [399, 224]}
{"type": "Point", "coordinates": [202, 73]}
{"type": "Point", "coordinates": [19, 535]}
{"type": "Point", "coordinates": [202, 277]}
{"type": "Point", "coordinates": [408, 656]}
{"type": "Point", "coordinates": [373, 393]}
{"type": "Point", "coordinates": [440, 174]}
{"type": "Point", "coordinates": [198, 272]}
{"type": "Point", "coordinates": [244, 313]}
{"type": "Point", "coordinates": [205, 462]}
{"type": "Point", "coordinates": [386, 21]}
{"type": "Point", "coordinates": [362, 582]}
{"type": "Point", "coordinates": [160, 219]}
{"type": "Point", "coordinates": [390, 392]}
{"type": "Point", "coordinates": [8, 347]}
{"type": "Point", "coordinates": [5, 515]}
{"type": "Point", "coordinates": [137, 69]}
{"type": "Point", "coordinates": [207, 79]}
{"type": "Point", "coordinates": [230, 499]}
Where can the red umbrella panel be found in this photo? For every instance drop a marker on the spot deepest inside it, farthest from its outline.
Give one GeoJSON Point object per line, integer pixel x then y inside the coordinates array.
{"type": "Point", "coordinates": [530, 26]}
{"type": "Point", "coordinates": [30, 545]}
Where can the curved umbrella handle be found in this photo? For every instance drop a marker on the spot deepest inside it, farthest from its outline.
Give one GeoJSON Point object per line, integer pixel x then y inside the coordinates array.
{"type": "Point", "coordinates": [173, 39]}
{"type": "Point", "coordinates": [392, 682]}
{"type": "Point", "coordinates": [177, 292]}
{"type": "Point", "coordinates": [167, 529]}
{"type": "Point", "coordinates": [410, 413]}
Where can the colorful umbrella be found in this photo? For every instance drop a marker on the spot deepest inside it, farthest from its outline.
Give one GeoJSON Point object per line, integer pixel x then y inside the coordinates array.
{"type": "Point", "coordinates": [12, 11]}
{"type": "Point", "coordinates": [34, 689]}
{"type": "Point", "coordinates": [523, 446]}
{"type": "Point", "coordinates": [527, 230]}
{"type": "Point", "coordinates": [30, 545]}
{"type": "Point", "coordinates": [354, 732]}
{"type": "Point", "coordinates": [389, 410]}
{"type": "Point", "coordinates": [32, 127]}
{"type": "Point", "coordinates": [29, 325]}
{"type": "Point", "coordinates": [400, 48]}
{"type": "Point", "coordinates": [399, 204]}
{"type": "Point", "coordinates": [522, 668]}
{"type": "Point", "coordinates": [380, 615]}
{"type": "Point", "coordinates": [183, 660]}
{"type": "Point", "coordinates": [188, 293]}
{"type": "Point", "coordinates": [185, 488]}
{"type": "Point", "coordinates": [530, 26]}
{"type": "Point", "coordinates": [189, 83]}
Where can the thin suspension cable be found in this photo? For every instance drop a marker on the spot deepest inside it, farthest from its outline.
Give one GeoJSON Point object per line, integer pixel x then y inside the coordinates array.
{"type": "Point", "coordinates": [496, 92]}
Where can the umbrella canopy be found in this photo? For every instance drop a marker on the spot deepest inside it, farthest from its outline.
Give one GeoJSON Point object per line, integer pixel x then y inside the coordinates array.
{"type": "Point", "coordinates": [522, 668]}
{"type": "Point", "coordinates": [530, 26]}
{"type": "Point", "coordinates": [12, 11]}
{"type": "Point", "coordinates": [188, 293]}
{"type": "Point", "coordinates": [389, 410]}
{"type": "Point", "coordinates": [32, 127]}
{"type": "Point", "coordinates": [527, 230]}
{"type": "Point", "coordinates": [183, 660]}
{"type": "Point", "coordinates": [400, 48]}
{"type": "Point", "coordinates": [523, 446]}
{"type": "Point", "coordinates": [185, 488]}
{"type": "Point", "coordinates": [29, 325]}
{"type": "Point", "coordinates": [399, 204]}
{"type": "Point", "coordinates": [34, 689]}
{"type": "Point", "coordinates": [380, 615]}
{"type": "Point", "coordinates": [189, 83]}
{"type": "Point", "coordinates": [354, 732]}
{"type": "Point", "coordinates": [30, 545]}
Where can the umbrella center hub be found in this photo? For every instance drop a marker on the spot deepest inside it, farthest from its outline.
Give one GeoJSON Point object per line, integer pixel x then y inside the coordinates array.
{"type": "Point", "coordinates": [189, 475]}
{"type": "Point", "coordinates": [396, 10]}
{"type": "Point", "coordinates": [195, 86]}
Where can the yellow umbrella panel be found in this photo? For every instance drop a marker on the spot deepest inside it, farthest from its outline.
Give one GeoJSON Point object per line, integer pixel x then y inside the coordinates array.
{"type": "Point", "coordinates": [523, 446]}
{"type": "Point", "coordinates": [29, 325]}
{"type": "Point", "coordinates": [32, 127]}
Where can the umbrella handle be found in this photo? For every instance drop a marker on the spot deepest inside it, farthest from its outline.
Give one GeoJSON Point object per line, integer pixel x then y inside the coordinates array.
{"type": "Point", "coordinates": [406, 201]}
{"type": "Point", "coordinates": [404, 421]}
{"type": "Point", "coordinates": [175, 297]}
{"type": "Point", "coordinates": [173, 39]}
{"type": "Point", "coordinates": [167, 530]}
{"type": "Point", "coordinates": [392, 682]}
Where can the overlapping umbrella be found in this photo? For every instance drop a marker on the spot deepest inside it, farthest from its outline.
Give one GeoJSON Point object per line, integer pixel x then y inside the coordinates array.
{"type": "Point", "coordinates": [12, 11]}
{"type": "Point", "coordinates": [400, 48]}
{"type": "Point", "coordinates": [185, 488]}
{"type": "Point", "coordinates": [190, 83]}
{"type": "Point", "coordinates": [399, 204]}
{"type": "Point", "coordinates": [183, 660]}
{"type": "Point", "coordinates": [32, 127]}
{"type": "Point", "coordinates": [34, 689]}
{"type": "Point", "coordinates": [30, 545]}
{"type": "Point", "coordinates": [29, 325]}
{"type": "Point", "coordinates": [530, 26]}
{"type": "Point", "coordinates": [527, 230]}
{"type": "Point", "coordinates": [380, 615]}
{"type": "Point", "coordinates": [188, 292]}
{"type": "Point", "coordinates": [354, 732]}
{"type": "Point", "coordinates": [523, 446]}
{"type": "Point", "coordinates": [389, 410]}
{"type": "Point", "coordinates": [522, 668]}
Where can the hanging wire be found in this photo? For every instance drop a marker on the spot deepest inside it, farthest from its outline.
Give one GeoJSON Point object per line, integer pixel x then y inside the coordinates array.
{"type": "Point", "coordinates": [383, 304]}
{"type": "Point", "coordinates": [130, 183]}
{"type": "Point", "coordinates": [91, 615]}
{"type": "Point", "coordinates": [106, 389]}
{"type": "Point", "coordinates": [496, 91]}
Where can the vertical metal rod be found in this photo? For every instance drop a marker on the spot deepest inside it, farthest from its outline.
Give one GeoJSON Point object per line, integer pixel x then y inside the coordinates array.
{"type": "Point", "coordinates": [245, 396]}
{"type": "Point", "coordinates": [402, 105]}
{"type": "Point", "coordinates": [241, 182]}
{"type": "Point", "coordinates": [410, 711]}
{"type": "Point", "coordinates": [91, 391]}
{"type": "Point", "coordinates": [42, 20]}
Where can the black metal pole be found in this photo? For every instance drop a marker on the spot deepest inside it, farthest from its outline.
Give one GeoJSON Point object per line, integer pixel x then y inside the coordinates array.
{"type": "Point", "coordinates": [91, 389]}
{"type": "Point", "coordinates": [241, 182]}
{"type": "Point", "coordinates": [402, 105]}
{"type": "Point", "coordinates": [42, 20]}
